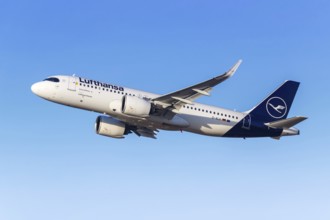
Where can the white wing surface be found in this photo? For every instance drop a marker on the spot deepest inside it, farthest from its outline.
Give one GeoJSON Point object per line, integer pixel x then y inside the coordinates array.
{"type": "Point", "coordinates": [176, 99]}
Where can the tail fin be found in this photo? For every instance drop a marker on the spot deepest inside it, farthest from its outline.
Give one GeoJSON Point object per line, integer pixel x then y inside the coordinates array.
{"type": "Point", "coordinates": [277, 105]}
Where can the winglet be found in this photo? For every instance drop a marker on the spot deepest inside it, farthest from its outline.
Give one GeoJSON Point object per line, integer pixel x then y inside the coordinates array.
{"type": "Point", "coordinates": [233, 69]}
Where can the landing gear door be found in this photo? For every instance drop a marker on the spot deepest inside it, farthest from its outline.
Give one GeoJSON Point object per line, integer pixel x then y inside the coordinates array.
{"type": "Point", "coordinates": [247, 122]}
{"type": "Point", "coordinates": [72, 83]}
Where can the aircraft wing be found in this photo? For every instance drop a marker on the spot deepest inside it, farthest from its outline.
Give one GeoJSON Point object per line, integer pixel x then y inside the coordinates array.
{"type": "Point", "coordinates": [145, 132]}
{"type": "Point", "coordinates": [176, 99]}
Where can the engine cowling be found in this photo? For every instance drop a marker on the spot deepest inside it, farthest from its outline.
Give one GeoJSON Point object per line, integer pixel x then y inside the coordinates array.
{"type": "Point", "coordinates": [110, 127]}
{"type": "Point", "coordinates": [135, 106]}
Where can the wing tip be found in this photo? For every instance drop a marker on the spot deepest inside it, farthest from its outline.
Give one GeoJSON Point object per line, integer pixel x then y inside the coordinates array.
{"type": "Point", "coordinates": [234, 68]}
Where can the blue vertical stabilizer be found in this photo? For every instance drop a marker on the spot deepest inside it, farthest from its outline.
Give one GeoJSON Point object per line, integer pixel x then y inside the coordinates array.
{"type": "Point", "coordinates": [277, 105]}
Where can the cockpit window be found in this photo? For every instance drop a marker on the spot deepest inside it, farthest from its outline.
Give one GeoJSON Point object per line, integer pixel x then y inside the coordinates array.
{"type": "Point", "coordinates": [52, 79]}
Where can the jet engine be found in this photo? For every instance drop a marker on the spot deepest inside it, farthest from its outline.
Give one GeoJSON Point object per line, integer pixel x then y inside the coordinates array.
{"type": "Point", "coordinates": [110, 127]}
{"type": "Point", "coordinates": [136, 106]}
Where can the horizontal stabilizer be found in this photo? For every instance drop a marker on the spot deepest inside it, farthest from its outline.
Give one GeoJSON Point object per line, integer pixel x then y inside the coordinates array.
{"type": "Point", "coordinates": [286, 123]}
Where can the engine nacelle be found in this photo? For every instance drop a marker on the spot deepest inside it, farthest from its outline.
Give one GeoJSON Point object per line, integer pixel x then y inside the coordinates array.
{"type": "Point", "coordinates": [110, 127]}
{"type": "Point", "coordinates": [135, 106]}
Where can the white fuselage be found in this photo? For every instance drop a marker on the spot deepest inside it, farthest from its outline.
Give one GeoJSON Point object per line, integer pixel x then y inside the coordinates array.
{"type": "Point", "coordinates": [106, 98]}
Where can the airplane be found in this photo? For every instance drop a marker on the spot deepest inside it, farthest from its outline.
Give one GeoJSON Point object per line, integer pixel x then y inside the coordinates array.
{"type": "Point", "coordinates": [125, 110]}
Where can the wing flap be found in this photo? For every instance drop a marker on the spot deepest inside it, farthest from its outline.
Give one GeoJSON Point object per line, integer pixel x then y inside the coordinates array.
{"type": "Point", "coordinates": [145, 132]}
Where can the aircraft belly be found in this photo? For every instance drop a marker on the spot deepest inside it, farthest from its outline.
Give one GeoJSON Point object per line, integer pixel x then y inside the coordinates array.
{"type": "Point", "coordinates": [207, 126]}
{"type": "Point", "coordinates": [215, 129]}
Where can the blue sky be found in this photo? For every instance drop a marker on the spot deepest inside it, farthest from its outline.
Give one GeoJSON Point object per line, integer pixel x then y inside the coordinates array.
{"type": "Point", "coordinates": [54, 166]}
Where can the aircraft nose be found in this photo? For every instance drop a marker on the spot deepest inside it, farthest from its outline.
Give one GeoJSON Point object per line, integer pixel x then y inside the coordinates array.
{"type": "Point", "coordinates": [35, 88]}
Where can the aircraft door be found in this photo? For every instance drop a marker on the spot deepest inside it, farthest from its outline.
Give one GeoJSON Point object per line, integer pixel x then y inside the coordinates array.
{"type": "Point", "coordinates": [247, 122]}
{"type": "Point", "coordinates": [72, 83]}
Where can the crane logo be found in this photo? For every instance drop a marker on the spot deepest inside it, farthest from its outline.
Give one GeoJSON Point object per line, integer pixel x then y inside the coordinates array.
{"type": "Point", "coordinates": [276, 107]}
